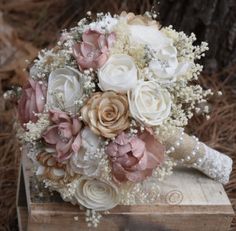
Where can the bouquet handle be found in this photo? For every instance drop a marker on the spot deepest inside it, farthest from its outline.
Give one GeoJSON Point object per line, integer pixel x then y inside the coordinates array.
{"type": "Point", "coordinates": [190, 152]}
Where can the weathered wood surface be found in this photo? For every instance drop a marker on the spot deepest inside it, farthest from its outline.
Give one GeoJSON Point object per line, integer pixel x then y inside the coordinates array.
{"type": "Point", "coordinates": [189, 201]}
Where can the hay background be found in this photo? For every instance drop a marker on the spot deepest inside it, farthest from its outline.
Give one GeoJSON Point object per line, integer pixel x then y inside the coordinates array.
{"type": "Point", "coordinates": [28, 25]}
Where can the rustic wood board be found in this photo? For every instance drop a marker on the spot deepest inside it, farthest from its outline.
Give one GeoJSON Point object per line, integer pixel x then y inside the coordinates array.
{"type": "Point", "coordinates": [189, 201]}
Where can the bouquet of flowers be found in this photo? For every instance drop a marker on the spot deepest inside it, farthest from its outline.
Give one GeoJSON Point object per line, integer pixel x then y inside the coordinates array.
{"type": "Point", "coordinates": [104, 111]}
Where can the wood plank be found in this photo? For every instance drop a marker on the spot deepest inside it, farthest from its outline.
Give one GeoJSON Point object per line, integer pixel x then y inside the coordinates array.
{"type": "Point", "coordinates": [22, 214]}
{"type": "Point", "coordinates": [21, 202]}
{"type": "Point", "coordinates": [177, 222]}
{"type": "Point", "coordinates": [27, 173]}
{"type": "Point", "coordinates": [195, 188]}
{"type": "Point", "coordinates": [189, 201]}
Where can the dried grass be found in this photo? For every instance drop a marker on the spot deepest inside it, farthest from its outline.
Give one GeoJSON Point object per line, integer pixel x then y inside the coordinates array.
{"type": "Point", "coordinates": [219, 131]}
{"type": "Point", "coordinates": [32, 24]}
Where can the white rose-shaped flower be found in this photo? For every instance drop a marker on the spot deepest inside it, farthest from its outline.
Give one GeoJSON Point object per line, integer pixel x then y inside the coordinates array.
{"type": "Point", "coordinates": [95, 194]}
{"type": "Point", "coordinates": [119, 74]}
{"type": "Point", "coordinates": [86, 161]}
{"type": "Point", "coordinates": [149, 103]}
{"type": "Point", "coordinates": [150, 36]}
{"type": "Point", "coordinates": [64, 89]}
{"type": "Point", "coordinates": [165, 68]}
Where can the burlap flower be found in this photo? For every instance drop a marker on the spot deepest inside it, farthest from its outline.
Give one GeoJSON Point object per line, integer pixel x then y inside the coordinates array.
{"type": "Point", "coordinates": [133, 19]}
{"type": "Point", "coordinates": [107, 114]}
{"type": "Point", "coordinates": [51, 169]}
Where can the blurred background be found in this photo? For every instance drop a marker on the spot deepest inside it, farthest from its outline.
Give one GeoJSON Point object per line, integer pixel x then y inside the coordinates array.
{"type": "Point", "coordinates": [26, 26]}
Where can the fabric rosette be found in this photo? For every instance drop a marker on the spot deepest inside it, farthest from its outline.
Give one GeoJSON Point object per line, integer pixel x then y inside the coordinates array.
{"type": "Point", "coordinates": [165, 67]}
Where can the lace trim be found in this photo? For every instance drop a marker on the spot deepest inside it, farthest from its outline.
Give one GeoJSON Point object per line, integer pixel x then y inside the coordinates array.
{"type": "Point", "coordinates": [216, 165]}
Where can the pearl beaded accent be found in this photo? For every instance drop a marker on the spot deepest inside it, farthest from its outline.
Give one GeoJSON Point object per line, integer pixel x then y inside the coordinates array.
{"type": "Point", "coordinates": [193, 154]}
{"type": "Point", "coordinates": [177, 144]}
{"type": "Point", "coordinates": [188, 158]}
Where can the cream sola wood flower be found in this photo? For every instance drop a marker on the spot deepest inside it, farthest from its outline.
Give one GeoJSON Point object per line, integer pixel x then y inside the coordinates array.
{"type": "Point", "coordinates": [96, 194]}
{"type": "Point", "coordinates": [64, 89]}
{"type": "Point", "coordinates": [86, 160]}
{"type": "Point", "coordinates": [149, 103]}
{"type": "Point", "coordinates": [119, 74]}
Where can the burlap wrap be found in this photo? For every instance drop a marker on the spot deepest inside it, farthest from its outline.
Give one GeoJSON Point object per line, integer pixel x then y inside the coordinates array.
{"type": "Point", "coordinates": [188, 151]}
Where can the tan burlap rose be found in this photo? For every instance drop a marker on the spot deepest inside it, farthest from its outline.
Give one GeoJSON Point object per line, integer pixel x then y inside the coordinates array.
{"type": "Point", "coordinates": [107, 114]}
{"type": "Point", "coordinates": [133, 19]}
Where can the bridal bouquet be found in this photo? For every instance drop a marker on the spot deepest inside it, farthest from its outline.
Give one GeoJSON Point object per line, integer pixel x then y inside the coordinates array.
{"type": "Point", "coordinates": [104, 111]}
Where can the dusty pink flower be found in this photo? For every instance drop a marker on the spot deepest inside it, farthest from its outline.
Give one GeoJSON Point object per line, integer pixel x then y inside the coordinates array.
{"type": "Point", "coordinates": [92, 52]}
{"type": "Point", "coordinates": [32, 101]}
{"type": "Point", "coordinates": [134, 158]}
{"type": "Point", "coordinates": [63, 135]}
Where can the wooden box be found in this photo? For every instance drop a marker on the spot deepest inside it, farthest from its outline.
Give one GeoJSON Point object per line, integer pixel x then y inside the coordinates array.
{"type": "Point", "coordinates": [189, 201]}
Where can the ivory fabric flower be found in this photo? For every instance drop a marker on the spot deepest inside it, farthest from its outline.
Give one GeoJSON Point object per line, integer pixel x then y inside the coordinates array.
{"type": "Point", "coordinates": [63, 135]}
{"type": "Point", "coordinates": [119, 74]}
{"type": "Point", "coordinates": [96, 194]}
{"type": "Point", "coordinates": [32, 101]}
{"type": "Point", "coordinates": [134, 158]}
{"type": "Point", "coordinates": [92, 52]}
{"type": "Point", "coordinates": [149, 103]}
{"type": "Point", "coordinates": [107, 113]}
{"type": "Point", "coordinates": [165, 68]}
{"type": "Point", "coordinates": [64, 89]}
{"type": "Point", "coordinates": [84, 161]}
{"type": "Point", "coordinates": [149, 36]}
